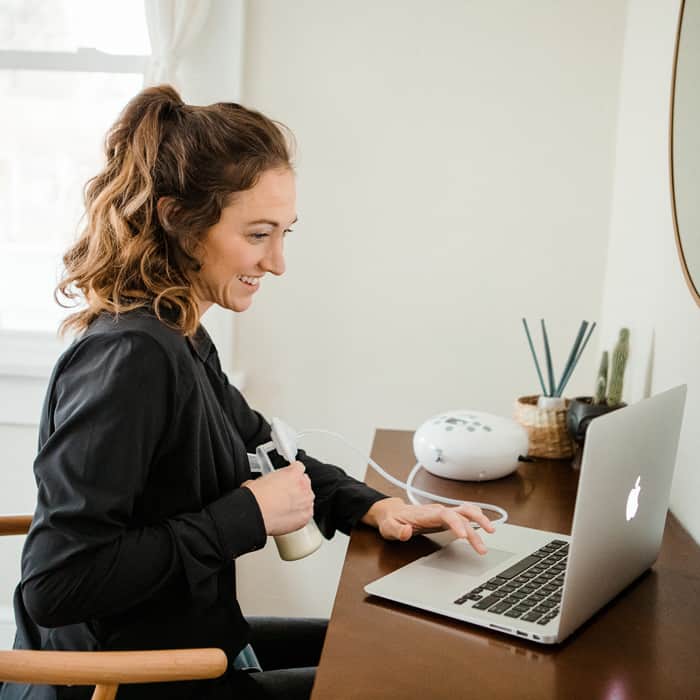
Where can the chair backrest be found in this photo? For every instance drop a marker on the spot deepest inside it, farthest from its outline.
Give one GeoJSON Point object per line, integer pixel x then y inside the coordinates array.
{"type": "Point", "coordinates": [103, 669]}
{"type": "Point", "coordinates": [15, 524]}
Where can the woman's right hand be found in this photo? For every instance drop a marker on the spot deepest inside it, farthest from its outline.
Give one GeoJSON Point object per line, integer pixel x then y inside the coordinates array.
{"type": "Point", "coordinates": [284, 497]}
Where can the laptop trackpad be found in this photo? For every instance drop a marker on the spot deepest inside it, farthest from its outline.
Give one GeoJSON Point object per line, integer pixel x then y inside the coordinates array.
{"type": "Point", "coordinates": [459, 558]}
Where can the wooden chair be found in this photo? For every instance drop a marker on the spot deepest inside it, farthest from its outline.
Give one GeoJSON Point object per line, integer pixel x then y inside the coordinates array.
{"type": "Point", "coordinates": [106, 670]}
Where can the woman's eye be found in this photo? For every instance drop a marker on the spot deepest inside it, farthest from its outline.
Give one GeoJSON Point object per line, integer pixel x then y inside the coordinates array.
{"type": "Point", "coordinates": [261, 236]}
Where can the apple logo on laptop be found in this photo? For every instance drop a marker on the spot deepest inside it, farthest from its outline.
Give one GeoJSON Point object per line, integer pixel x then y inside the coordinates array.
{"type": "Point", "coordinates": [633, 500]}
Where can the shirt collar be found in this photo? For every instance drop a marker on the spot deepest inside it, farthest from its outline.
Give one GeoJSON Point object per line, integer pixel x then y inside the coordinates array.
{"type": "Point", "coordinates": [201, 342]}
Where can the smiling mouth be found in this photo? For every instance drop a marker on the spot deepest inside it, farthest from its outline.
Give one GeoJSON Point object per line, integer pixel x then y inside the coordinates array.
{"type": "Point", "coordinates": [249, 281]}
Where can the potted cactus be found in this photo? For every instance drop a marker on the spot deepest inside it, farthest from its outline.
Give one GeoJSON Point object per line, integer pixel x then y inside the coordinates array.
{"type": "Point", "coordinates": [608, 391]}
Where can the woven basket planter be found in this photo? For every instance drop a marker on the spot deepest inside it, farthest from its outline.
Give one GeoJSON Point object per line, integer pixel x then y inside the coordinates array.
{"type": "Point", "coordinates": [546, 429]}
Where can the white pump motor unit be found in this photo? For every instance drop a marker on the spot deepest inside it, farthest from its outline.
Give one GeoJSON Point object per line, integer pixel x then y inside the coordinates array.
{"type": "Point", "coordinates": [470, 445]}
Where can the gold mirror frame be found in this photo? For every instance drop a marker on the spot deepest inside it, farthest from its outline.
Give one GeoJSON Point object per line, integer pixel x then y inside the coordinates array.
{"type": "Point", "coordinates": [679, 245]}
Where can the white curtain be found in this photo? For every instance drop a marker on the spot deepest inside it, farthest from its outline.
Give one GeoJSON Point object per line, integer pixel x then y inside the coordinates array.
{"type": "Point", "coordinates": [172, 27]}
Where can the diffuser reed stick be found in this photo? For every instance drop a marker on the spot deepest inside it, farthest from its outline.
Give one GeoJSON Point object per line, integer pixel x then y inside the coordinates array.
{"type": "Point", "coordinates": [570, 367]}
{"type": "Point", "coordinates": [572, 355]}
{"type": "Point", "coordinates": [548, 358]}
{"type": "Point", "coordinates": [534, 357]}
{"type": "Point", "coordinates": [579, 345]}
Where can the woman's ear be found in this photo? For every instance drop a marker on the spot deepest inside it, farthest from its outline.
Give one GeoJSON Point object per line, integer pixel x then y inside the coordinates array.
{"type": "Point", "coordinates": [184, 243]}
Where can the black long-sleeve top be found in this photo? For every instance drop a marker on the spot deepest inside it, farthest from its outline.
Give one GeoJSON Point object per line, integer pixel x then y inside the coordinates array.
{"type": "Point", "coordinates": [140, 514]}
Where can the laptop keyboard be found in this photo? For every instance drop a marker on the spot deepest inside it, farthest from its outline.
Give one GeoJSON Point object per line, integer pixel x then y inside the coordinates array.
{"type": "Point", "coordinates": [530, 589]}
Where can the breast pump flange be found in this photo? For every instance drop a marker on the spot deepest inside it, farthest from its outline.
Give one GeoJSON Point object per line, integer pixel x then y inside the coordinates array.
{"type": "Point", "coordinates": [300, 543]}
{"type": "Point", "coordinates": [470, 445]}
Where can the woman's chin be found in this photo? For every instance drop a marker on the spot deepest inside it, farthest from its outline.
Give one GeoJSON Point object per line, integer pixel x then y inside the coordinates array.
{"type": "Point", "coordinates": [237, 304]}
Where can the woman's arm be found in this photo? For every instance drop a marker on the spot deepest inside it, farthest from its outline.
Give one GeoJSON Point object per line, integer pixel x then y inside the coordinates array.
{"type": "Point", "coordinates": [109, 412]}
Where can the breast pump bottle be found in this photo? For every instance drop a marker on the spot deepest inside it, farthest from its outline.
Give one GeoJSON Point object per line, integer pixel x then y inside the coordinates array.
{"type": "Point", "coordinates": [300, 543]}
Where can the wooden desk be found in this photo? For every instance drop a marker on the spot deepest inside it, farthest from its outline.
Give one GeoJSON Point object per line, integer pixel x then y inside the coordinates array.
{"type": "Point", "coordinates": [644, 644]}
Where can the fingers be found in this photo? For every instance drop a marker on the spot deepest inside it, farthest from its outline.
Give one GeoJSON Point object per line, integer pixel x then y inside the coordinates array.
{"type": "Point", "coordinates": [401, 521]}
{"type": "Point", "coordinates": [461, 527]}
{"type": "Point", "coordinates": [475, 514]}
{"type": "Point", "coordinates": [285, 497]}
{"type": "Point", "coordinates": [298, 470]}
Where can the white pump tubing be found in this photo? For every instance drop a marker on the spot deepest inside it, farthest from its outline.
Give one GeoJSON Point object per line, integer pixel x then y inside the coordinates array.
{"type": "Point", "coordinates": [411, 492]}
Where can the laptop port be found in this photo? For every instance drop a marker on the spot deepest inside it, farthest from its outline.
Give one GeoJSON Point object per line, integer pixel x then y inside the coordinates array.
{"type": "Point", "coordinates": [522, 634]}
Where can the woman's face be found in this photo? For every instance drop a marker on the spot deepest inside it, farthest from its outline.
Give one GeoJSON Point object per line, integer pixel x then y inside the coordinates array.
{"type": "Point", "coordinates": [246, 243]}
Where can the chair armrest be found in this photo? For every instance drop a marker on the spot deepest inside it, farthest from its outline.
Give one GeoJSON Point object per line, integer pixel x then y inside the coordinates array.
{"type": "Point", "coordinates": [110, 667]}
{"type": "Point", "coordinates": [15, 524]}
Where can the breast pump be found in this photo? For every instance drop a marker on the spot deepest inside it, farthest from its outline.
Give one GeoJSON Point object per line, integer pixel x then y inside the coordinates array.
{"type": "Point", "coordinates": [305, 541]}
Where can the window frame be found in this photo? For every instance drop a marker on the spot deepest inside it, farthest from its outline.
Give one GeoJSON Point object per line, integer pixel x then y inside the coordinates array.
{"type": "Point", "coordinates": [84, 60]}
{"type": "Point", "coordinates": [31, 354]}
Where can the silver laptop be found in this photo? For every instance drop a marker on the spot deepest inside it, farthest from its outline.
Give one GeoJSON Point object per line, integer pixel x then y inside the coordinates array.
{"type": "Point", "coordinates": [543, 585]}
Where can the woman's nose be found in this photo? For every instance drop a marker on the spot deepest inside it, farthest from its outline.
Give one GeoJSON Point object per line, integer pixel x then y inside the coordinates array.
{"type": "Point", "coordinates": [274, 260]}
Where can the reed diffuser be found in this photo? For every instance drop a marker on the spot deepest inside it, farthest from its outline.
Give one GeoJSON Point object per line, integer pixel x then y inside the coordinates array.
{"type": "Point", "coordinates": [544, 415]}
{"type": "Point", "coordinates": [555, 389]}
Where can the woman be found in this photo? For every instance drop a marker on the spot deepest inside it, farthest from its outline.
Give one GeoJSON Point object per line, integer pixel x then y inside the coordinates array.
{"type": "Point", "coordinates": [145, 497]}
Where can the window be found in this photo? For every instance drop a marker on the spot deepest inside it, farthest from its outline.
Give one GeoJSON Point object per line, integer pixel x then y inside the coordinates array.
{"type": "Point", "coordinates": [67, 68]}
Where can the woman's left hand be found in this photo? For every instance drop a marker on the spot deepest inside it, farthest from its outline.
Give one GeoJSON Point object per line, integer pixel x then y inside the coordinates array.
{"type": "Point", "coordinates": [397, 520]}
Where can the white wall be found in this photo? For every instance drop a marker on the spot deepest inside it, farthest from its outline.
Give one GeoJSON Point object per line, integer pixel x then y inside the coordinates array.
{"type": "Point", "coordinates": [455, 170]}
{"type": "Point", "coordinates": [644, 285]}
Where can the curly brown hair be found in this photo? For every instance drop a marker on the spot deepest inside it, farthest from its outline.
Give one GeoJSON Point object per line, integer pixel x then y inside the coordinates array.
{"type": "Point", "coordinates": [133, 252]}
